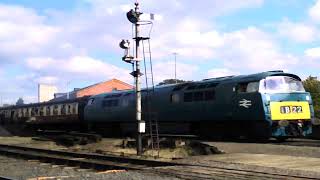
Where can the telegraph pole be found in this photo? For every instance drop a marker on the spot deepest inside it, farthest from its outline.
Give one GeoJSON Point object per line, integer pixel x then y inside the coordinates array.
{"type": "Point", "coordinates": [175, 66]}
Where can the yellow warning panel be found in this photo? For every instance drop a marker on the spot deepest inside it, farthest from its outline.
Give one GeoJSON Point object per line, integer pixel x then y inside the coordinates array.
{"type": "Point", "coordinates": [290, 110]}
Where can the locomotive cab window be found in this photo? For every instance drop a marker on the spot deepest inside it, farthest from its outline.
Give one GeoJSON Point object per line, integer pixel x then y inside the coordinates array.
{"type": "Point", "coordinates": [281, 84]}
{"type": "Point", "coordinates": [253, 87]}
{"type": "Point", "coordinates": [248, 87]}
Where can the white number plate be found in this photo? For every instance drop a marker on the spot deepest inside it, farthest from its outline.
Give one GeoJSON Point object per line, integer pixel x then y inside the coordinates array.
{"type": "Point", "coordinates": [290, 109]}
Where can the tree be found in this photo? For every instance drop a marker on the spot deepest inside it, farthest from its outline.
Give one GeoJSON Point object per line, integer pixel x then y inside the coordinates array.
{"type": "Point", "coordinates": [171, 81]}
{"type": "Point", "coordinates": [312, 85]}
{"type": "Point", "coordinates": [20, 102]}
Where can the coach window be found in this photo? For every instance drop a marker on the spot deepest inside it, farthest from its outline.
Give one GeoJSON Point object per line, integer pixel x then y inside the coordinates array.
{"type": "Point", "coordinates": [63, 110]}
{"type": "Point", "coordinates": [69, 109]}
{"type": "Point", "coordinates": [55, 110]}
{"type": "Point", "coordinates": [19, 113]}
{"type": "Point", "coordinates": [41, 111]}
{"type": "Point", "coordinates": [33, 111]}
{"type": "Point", "coordinates": [48, 111]}
{"type": "Point", "coordinates": [75, 108]}
{"type": "Point", "coordinates": [37, 110]}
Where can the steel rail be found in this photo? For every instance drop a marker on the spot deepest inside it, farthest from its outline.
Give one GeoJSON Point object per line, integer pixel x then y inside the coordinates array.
{"type": "Point", "coordinates": [106, 162]}
{"type": "Point", "coordinates": [85, 160]}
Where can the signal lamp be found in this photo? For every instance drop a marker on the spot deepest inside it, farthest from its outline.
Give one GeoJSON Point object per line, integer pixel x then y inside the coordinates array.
{"type": "Point", "coordinates": [133, 16]}
{"type": "Point", "coordinates": [124, 44]}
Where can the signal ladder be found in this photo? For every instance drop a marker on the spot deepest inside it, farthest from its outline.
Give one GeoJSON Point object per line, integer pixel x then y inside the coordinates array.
{"type": "Point", "coordinates": [151, 115]}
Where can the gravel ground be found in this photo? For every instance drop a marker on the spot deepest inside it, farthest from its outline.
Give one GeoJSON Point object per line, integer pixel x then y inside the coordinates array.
{"type": "Point", "coordinates": [23, 169]}
{"type": "Point", "coordinates": [298, 147]}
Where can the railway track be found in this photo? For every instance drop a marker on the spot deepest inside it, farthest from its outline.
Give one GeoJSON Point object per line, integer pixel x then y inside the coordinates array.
{"type": "Point", "coordinates": [179, 170]}
{"type": "Point", "coordinates": [299, 142]}
{"type": "Point", "coordinates": [212, 169]}
{"type": "Point", "coordinates": [219, 173]}
{"type": "Point", "coordinates": [81, 160]}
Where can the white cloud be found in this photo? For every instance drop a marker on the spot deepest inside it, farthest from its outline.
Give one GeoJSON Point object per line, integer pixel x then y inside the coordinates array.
{"type": "Point", "coordinates": [313, 52]}
{"type": "Point", "coordinates": [299, 32]}
{"type": "Point", "coordinates": [220, 72]}
{"type": "Point", "coordinates": [217, 7]}
{"type": "Point", "coordinates": [314, 11]}
{"type": "Point", "coordinates": [47, 80]}
{"type": "Point", "coordinates": [165, 70]}
{"type": "Point", "coordinates": [23, 32]}
{"type": "Point", "coordinates": [78, 67]}
{"type": "Point", "coordinates": [254, 50]}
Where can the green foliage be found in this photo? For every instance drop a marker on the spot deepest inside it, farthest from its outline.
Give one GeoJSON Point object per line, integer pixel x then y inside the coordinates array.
{"type": "Point", "coordinates": [171, 81]}
{"type": "Point", "coordinates": [312, 85]}
{"type": "Point", "coordinates": [20, 101]}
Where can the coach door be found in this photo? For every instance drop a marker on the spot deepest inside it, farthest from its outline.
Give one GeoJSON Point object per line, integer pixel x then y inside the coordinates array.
{"type": "Point", "coordinates": [247, 101]}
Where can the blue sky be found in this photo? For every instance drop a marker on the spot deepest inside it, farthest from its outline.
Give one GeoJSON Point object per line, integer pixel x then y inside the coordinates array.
{"type": "Point", "coordinates": [76, 41]}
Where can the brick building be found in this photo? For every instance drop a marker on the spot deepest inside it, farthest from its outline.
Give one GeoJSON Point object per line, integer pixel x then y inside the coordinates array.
{"type": "Point", "coordinates": [102, 87]}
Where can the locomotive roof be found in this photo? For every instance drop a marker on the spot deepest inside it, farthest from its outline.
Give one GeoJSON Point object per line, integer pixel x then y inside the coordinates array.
{"type": "Point", "coordinates": [235, 79]}
{"type": "Point", "coordinates": [252, 77]}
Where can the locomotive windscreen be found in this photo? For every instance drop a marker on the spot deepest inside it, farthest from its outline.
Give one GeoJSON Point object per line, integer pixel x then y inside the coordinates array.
{"type": "Point", "coordinates": [282, 84]}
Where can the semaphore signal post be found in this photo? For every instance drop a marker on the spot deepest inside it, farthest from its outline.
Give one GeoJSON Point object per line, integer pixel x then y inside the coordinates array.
{"type": "Point", "coordinates": [134, 17]}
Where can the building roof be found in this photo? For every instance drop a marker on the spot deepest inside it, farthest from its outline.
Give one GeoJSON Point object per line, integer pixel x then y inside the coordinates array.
{"type": "Point", "coordinates": [112, 80]}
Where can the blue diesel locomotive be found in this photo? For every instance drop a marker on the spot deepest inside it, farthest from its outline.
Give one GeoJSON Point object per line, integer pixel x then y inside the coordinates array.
{"type": "Point", "coordinates": [260, 106]}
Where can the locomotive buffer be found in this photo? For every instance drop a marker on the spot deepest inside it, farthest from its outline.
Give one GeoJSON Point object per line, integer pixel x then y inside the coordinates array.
{"type": "Point", "coordinates": [134, 17]}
